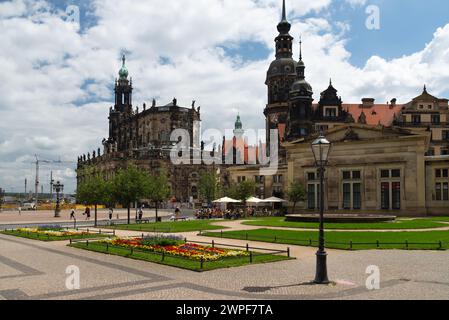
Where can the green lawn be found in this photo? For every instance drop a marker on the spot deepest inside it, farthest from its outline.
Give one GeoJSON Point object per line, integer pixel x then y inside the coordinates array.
{"type": "Point", "coordinates": [178, 262]}
{"type": "Point", "coordinates": [444, 219]}
{"type": "Point", "coordinates": [171, 227]}
{"type": "Point", "coordinates": [40, 237]}
{"type": "Point", "coordinates": [399, 224]}
{"type": "Point", "coordinates": [341, 240]}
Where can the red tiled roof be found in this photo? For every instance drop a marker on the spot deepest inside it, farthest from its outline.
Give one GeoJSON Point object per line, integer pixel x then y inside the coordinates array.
{"type": "Point", "coordinates": [378, 113]}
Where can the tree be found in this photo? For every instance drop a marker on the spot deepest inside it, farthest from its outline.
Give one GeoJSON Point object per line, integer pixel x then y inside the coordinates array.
{"type": "Point", "coordinates": [129, 186]}
{"type": "Point", "coordinates": [296, 193]}
{"type": "Point", "coordinates": [242, 191]}
{"type": "Point", "coordinates": [95, 191]}
{"type": "Point", "coordinates": [158, 189]}
{"type": "Point", "coordinates": [209, 187]}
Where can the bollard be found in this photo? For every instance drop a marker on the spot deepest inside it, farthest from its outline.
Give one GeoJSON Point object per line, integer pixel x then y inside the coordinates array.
{"type": "Point", "coordinates": [250, 257]}
{"type": "Point", "coordinates": [185, 240]}
{"type": "Point", "coordinates": [132, 251]}
{"type": "Point", "coordinates": [350, 245]}
{"type": "Point", "coordinates": [143, 236]}
{"type": "Point", "coordinates": [107, 247]}
{"type": "Point", "coordinates": [247, 247]}
{"type": "Point", "coordinates": [275, 239]}
{"type": "Point", "coordinates": [441, 245]}
{"type": "Point", "coordinates": [288, 252]}
{"type": "Point", "coordinates": [202, 262]}
{"type": "Point", "coordinates": [213, 244]}
{"type": "Point", "coordinates": [378, 244]}
{"type": "Point", "coordinates": [87, 243]}
{"type": "Point", "coordinates": [310, 242]}
{"type": "Point", "coordinates": [70, 241]}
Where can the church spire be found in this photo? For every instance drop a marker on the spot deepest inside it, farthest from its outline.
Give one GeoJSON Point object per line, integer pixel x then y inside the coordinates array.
{"type": "Point", "coordinates": [300, 69]}
{"type": "Point", "coordinates": [284, 26]}
{"type": "Point", "coordinates": [284, 39]}
{"type": "Point", "coordinates": [284, 13]}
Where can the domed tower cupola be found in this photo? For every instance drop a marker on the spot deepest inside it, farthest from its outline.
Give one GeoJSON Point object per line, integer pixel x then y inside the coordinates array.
{"type": "Point", "coordinates": [123, 89]}
{"type": "Point", "coordinates": [123, 73]}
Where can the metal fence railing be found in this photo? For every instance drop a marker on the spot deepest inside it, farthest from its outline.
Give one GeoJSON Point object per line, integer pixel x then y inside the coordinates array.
{"type": "Point", "coordinates": [131, 251]}
{"type": "Point", "coordinates": [349, 245]}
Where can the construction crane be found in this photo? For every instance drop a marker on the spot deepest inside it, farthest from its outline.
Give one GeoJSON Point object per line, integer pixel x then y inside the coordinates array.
{"type": "Point", "coordinates": [37, 182]}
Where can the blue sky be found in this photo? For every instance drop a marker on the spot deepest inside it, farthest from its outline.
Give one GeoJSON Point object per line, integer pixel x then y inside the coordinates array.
{"type": "Point", "coordinates": [213, 51]}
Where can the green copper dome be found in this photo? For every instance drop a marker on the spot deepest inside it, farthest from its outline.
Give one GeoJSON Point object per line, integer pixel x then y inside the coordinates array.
{"type": "Point", "coordinates": [123, 73]}
{"type": "Point", "coordinates": [238, 123]}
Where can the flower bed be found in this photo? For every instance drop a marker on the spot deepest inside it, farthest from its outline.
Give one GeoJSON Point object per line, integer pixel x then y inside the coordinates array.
{"type": "Point", "coordinates": [52, 232]}
{"type": "Point", "coordinates": [186, 250]}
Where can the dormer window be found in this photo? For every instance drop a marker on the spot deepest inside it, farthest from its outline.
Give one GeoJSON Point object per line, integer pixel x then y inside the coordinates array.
{"type": "Point", "coordinates": [330, 112]}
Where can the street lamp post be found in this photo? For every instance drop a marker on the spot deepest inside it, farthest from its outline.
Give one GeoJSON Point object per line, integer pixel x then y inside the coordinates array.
{"type": "Point", "coordinates": [58, 188]}
{"type": "Point", "coordinates": [321, 149]}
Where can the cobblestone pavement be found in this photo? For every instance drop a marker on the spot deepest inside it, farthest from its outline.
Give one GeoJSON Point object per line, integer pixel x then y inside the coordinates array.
{"type": "Point", "coordinates": [47, 216]}
{"type": "Point", "coordinates": [36, 270]}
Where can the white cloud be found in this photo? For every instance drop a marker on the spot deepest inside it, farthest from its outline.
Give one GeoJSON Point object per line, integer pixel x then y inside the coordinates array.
{"type": "Point", "coordinates": [50, 68]}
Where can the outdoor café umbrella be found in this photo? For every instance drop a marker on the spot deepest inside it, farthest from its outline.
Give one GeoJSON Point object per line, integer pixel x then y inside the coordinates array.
{"type": "Point", "coordinates": [226, 200]}
{"type": "Point", "coordinates": [254, 200]}
{"type": "Point", "coordinates": [274, 200]}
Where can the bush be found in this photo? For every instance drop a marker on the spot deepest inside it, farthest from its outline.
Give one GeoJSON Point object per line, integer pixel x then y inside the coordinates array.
{"type": "Point", "coordinates": [162, 241]}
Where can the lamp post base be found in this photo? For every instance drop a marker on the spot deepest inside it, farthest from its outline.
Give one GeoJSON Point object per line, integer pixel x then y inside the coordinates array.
{"type": "Point", "coordinates": [321, 268]}
{"type": "Point", "coordinates": [58, 213]}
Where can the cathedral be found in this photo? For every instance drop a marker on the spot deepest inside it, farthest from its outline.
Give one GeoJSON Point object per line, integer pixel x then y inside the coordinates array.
{"type": "Point", "coordinates": [386, 158]}
{"type": "Point", "coordinates": [143, 137]}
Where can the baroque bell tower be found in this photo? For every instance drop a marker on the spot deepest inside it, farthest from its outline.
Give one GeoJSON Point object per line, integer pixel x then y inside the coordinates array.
{"type": "Point", "coordinates": [122, 109]}
{"type": "Point", "coordinates": [123, 90]}
{"type": "Point", "coordinates": [280, 77]}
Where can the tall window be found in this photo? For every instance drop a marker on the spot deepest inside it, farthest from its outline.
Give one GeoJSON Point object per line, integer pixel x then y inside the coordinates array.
{"type": "Point", "coordinates": [352, 190]}
{"type": "Point", "coordinates": [436, 119]}
{"type": "Point", "coordinates": [445, 135]}
{"type": "Point", "coordinates": [390, 189]}
{"type": "Point", "coordinates": [442, 185]}
{"type": "Point", "coordinates": [313, 191]}
{"type": "Point", "coordinates": [416, 119]}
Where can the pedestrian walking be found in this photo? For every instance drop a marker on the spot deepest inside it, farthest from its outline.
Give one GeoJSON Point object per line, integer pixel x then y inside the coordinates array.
{"type": "Point", "coordinates": [111, 212]}
{"type": "Point", "coordinates": [20, 210]}
{"type": "Point", "coordinates": [140, 213]}
{"type": "Point", "coordinates": [72, 215]}
{"type": "Point", "coordinates": [87, 213]}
